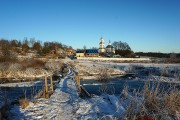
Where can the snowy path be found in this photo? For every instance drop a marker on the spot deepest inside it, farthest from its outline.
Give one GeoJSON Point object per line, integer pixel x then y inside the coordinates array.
{"type": "Point", "coordinates": [58, 106]}
{"type": "Point", "coordinates": [61, 101]}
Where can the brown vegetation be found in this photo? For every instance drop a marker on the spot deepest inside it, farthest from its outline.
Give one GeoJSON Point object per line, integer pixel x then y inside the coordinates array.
{"type": "Point", "coordinates": [156, 104]}
{"type": "Point", "coordinates": [172, 101]}
{"type": "Point", "coordinates": [16, 69]}
{"type": "Point", "coordinates": [24, 102]}
{"type": "Point", "coordinates": [72, 64]}
{"type": "Point", "coordinates": [34, 63]}
{"type": "Point", "coordinates": [103, 75]}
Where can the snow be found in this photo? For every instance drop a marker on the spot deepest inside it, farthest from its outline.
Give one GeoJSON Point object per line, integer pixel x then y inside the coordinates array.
{"type": "Point", "coordinates": [113, 59]}
{"type": "Point", "coordinates": [115, 102]}
{"type": "Point", "coordinates": [20, 84]}
{"type": "Point", "coordinates": [89, 70]}
{"type": "Point", "coordinates": [65, 104]}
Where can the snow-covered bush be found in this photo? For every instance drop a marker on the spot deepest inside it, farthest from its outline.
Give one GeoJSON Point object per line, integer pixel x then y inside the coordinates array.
{"type": "Point", "coordinates": [103, 75]}
{"type": "Point", "coordinates": [53, 66]}
{"type": "Point", "coordinates": [134, 68]}
{"type": "Point", "coordinates": [170, 72]}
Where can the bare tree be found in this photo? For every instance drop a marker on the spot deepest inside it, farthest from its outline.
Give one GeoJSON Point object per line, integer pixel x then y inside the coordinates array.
{"type": "Point", "coordinates": [31, 42]}
{"type": "Point", "coordinates": [121, 46]}
{"type": "Point", "coordinates": [84, 47]}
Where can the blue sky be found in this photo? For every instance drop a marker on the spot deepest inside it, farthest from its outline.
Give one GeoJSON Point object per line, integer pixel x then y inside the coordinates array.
{"type": "Point", "coordinates": [146, 25]}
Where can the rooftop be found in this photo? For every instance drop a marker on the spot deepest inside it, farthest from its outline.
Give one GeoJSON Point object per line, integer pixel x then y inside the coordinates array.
{"type": "Point", "coordinates": [92, 51]}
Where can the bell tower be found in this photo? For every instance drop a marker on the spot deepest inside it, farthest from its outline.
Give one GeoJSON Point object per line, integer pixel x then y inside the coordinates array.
{"type": "Point", "coordinates": [101, 45]}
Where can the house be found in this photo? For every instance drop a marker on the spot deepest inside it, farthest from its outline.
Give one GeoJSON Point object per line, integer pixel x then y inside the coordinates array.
{"type": "Point", "coordinates": [80, 53]}
{"type": "Point", "coordinates": [70, 51]}
{"type": "Point", "coordinates": [91, 53]}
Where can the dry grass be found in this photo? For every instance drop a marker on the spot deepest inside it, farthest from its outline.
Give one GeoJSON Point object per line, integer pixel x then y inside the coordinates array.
{"type": "Point", "coordinates": [34, 63]}
{"type": "Point", "coordinates": [72, 64]}
{"type": "Point", "coordinates": [53, 66]}
{"type": "Point", "coordinates": [172, 101]}
{"type": "Point", "coordinates": [24, 102]}
{"type": "Point", "coordinates": [151, 99]}
{"type": "Point", "coordinates": [22, 69]}
{"type": "Point", "coordinates": [155, 104]}
{"type": "Point", "coordinates": [103, 75]}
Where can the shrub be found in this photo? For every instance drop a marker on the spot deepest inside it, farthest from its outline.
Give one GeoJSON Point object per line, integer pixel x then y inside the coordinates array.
{"type": "Point", "coordinates": [54, 66]}
{"type": "Point", "coordinates": [103, 75]}
{"type": "Point", "coordinates": [34, 63]}
{"type": "Point", "coordinates": [23, 103]}
{"type": "Point", "coordinates": [8, 57]}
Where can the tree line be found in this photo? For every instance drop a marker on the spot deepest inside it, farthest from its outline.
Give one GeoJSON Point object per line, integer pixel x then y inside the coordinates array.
{"type": "Point", "coordinates": [158, 54]}
{"type": "Point", "coordinates": [9, 47]}
{"type": "Point", "coordinates": [123, 49]}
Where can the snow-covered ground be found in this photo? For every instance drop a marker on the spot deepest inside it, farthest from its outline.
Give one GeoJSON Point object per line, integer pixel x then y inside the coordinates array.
{"type": "Point", "coordinates": [65, 104]}
{"type": "Point", "coordinates": [149, 71]}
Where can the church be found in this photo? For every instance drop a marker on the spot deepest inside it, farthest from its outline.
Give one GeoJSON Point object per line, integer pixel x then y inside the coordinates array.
{"type": "Point", "coordinates": [108, 50]}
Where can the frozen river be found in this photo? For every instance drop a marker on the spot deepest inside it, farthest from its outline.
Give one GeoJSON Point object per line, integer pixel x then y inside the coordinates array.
{"type": "Point", "coordinates": [116, 86]}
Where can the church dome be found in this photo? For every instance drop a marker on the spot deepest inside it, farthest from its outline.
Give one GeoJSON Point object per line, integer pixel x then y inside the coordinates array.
{"type": "Point", "coordinates": [109, 46]}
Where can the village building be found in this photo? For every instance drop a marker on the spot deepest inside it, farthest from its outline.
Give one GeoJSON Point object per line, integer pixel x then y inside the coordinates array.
{"type": "Point", "coordinates": [80, 53]}
{"type": "Point", "coordinates": [108, 51]}
{"type": "Point", "coordinates": [87, 53]}
{"type": "Point", "coordinates": [92, 53]}
{"type": "Point", "coordinates": [70, 51]}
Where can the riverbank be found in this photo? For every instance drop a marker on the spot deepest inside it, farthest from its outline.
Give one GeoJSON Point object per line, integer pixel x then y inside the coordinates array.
{"type": "Point", "coordinates": [29, 70]}
{"type": "Point", "coordinates": [170, 73]}
{"type": "Point", "coordinates": [65, 104]}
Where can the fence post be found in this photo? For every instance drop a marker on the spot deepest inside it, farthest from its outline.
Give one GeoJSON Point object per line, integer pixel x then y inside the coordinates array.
{"type": "Point", "coordinates": [51, 83]}
{"type": "Point", "coordinates": [46, 87]}
{"type": "Point", "coordinates": [78, 82]}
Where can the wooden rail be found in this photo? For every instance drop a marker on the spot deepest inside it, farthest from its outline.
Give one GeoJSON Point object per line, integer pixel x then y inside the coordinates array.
{"type": "Point", "coordinates": [84, 92]}
{"type": "Point", "coordinates": [81, 90]}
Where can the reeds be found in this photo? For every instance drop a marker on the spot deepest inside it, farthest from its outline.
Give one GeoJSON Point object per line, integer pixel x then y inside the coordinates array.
{"type": "Point", "coordinates": [155, 104]}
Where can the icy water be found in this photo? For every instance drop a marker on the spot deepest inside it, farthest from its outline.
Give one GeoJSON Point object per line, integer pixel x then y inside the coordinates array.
{"type": "Point", "coordinates": [16, 92]}
{"type": "Point", "coordinates": [116, 86]}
